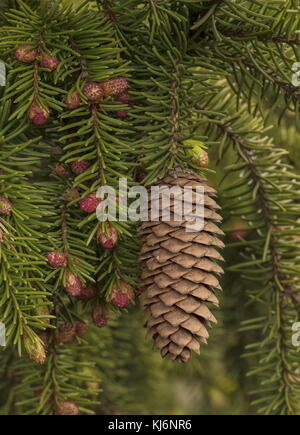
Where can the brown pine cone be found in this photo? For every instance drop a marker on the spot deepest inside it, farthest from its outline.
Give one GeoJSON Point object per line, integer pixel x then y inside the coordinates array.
{"type": "Point", "coordinates": [180, 273]}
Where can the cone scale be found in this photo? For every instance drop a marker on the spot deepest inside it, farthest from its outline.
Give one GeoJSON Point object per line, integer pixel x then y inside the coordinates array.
{"type": "Point", "coordinates": [180, 274]}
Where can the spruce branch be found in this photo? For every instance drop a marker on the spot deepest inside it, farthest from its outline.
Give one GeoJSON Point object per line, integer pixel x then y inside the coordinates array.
{"type": "Point", "coordinates": [275, 208]}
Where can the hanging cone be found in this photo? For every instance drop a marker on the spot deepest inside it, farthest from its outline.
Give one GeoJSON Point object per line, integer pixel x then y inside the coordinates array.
{"type": "Point", "coordinates": [180, 272]}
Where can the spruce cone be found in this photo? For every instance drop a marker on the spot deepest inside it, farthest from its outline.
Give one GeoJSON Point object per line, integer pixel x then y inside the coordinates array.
{"type": "Point", "coordinates": [180, 273]}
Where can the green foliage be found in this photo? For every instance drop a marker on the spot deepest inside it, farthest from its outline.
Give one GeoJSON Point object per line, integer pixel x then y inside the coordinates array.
{"type": "Point", "coordinates": [265, 196]}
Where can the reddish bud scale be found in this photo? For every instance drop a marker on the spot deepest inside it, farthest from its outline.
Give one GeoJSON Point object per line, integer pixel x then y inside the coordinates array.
{"type": "Point", "coordinates": [59, 170]}
{"type": "Point", "coordinates": [122, 298]}
{"type": "Point", "coordinates": [238, 234]}
{"type": "Point", "coordinates": [89, 203]}
{"type": "Point", "coordinates": [5, 206]}
{"type": "Point", "coordinates": [99, 317]}
{"type": "Point", "coordinates": [73, 100]}
{"type": "Point", "coordinates": [56, 259]}
{"type": "Point", "coordinates": [108, 238]}
{"type": "Point", "coordinates": [66, 407]}
{"type": "Point", "coordinates": [49, 62]}
{"type": "Point", "coordinates": [74, 285]}
{"type": "Point", "coordinates": [37, 114]}
{"type": "Point", "coordinates": [79, 166]}
{"type": "Point", "coordinates": [114, 86]}
{"type": "Point", "coordinates": [71, 194]}
{"type": "Point", "coordinates": [80, 329]}
{"type": "Point", "coordinates": [26, 54]}
{"type": "Point", "coordinates": [93, 91]}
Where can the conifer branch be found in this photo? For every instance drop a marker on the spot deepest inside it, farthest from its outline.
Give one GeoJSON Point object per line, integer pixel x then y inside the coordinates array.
{"type": "Point", "coordinates": [280, 282]}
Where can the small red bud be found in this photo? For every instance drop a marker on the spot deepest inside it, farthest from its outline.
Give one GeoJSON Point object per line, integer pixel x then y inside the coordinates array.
{"type": "Point", "coordinates": [74, 285]}
{"type": "Point", "coordinates": [238, 234]}
{"type": "Point", "coordinates": [73, 100]}
{"type": "Point", "coordinates": [37, 114]}
{"type": "Point", "coordinates": [108, 238]}
{"type": "Point", "coordinates": [115, 86]}
{"type": "Point", "coordinates": [66, 407]}
{"type": "Point", "coordinates": [79, 166]}
{"type": "Point", "coordinates": [80, 329]}
{"type": "Point", "coordinates": [5, 206]}
{"type": "Point", "coordinates": [93, 91]}
{"type": "Point", "coordinates": [56, 259]}
{"type": "Point", "coordinates": [49, 62]}
{"type": "Point", "coordinates": [59, 170]}
{"type": "Point", "coordinates": [89, 203]}
{"type": "Point", "coordinates": [99, 317]}
{"type": "Point", "coordinates": [122, 298]}
{"type": "Point", "coordinates": [71, 194]}
{"type": "Point", "coordinates": [26, 54]}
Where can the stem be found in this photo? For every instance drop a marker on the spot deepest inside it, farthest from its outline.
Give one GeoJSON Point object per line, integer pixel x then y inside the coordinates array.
{"type": "Point", "coordinates": [175, 129]}
{"type": "Point", "coordinates": [64, 229]}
